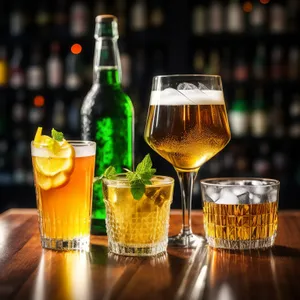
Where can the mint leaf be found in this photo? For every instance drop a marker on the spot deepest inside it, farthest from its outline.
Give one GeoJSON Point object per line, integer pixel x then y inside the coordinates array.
{"type": "Point", "coordinates": [137, 189]}
{"type": "Point", "coordinates": [144, 165]}
{"type": "Point", "coordinates": [56, 135]}
{"type": "Point", "coordinates": [110, 173]}
{"type": "Point", "coordinates": [141, 177]}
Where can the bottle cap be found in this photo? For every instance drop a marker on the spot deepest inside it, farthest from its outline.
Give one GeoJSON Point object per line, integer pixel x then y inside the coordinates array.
{"type": "Point", "coordinates": [106, 26]}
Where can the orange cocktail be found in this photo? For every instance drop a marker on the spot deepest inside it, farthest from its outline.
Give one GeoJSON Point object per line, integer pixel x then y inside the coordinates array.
{"type": "Point", "coordinates": [63, 181]}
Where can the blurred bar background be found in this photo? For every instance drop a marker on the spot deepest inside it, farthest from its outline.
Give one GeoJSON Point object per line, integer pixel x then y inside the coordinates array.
{"type": "Point", "coordinates": [46, 53]}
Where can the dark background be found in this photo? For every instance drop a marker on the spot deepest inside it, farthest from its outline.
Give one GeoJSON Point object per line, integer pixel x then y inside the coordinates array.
{"type": "Point", "coordinates": [156, 37]}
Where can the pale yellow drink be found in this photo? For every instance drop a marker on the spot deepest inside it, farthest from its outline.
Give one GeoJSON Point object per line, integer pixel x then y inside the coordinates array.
{"type": "Point", "coordinates": [138, 227]}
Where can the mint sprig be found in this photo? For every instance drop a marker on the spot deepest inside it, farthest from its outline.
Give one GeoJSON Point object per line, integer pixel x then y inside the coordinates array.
{"type": "Point", "coordinates": [56, 135]}
{"type": "Point", "coordinates": [138, 179]}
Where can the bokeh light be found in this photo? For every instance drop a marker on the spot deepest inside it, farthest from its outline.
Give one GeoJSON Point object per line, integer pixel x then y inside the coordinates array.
{"type": "Point", "coordinates": [39, 101]}
{"type": "Point", "coordinates": [264, 1]}
{"type": "Point", "coordinates": [76, 48]}
{"type": "Point", "coordinates": [247, 7]}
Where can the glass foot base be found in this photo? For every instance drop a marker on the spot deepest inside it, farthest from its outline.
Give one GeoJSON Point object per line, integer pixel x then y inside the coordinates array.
{"type": "Point", "coordinates": [241, 245]}
{"type": "Point", "coordinates": [81, 244]}
{"type": "Point", "coordinates": [137, 249]}
{"type": "Point", "coordinates": [185, 240]}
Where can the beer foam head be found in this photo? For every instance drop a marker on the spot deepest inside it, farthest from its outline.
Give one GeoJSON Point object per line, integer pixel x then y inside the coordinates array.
{"type": "Point", "coordinates": [171, 96]}
{"type": "Point", "coordinates": [81, 150]}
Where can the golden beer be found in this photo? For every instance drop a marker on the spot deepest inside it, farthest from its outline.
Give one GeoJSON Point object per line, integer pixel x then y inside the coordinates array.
{"type": "Point", "coordinates": [187, 135]}
{"type": "Point", "coordinates": [240, 222]}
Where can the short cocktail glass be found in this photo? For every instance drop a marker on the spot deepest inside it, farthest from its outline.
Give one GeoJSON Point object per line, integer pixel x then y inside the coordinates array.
{"type": "Point", "coordinates": [137, 227]}
{"type": "Point", "coordinates": [65, 211]}
{"type": "Point", "coordinates": [240, 213]}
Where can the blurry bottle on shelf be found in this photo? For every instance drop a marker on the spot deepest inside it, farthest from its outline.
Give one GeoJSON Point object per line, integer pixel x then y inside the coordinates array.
{"type": "Point", "coordinates": [120, 8]}
{"type": "Point", "coordinates": [259, 63]}
{"type": "Point", "coordinates": [73, 112]}
{"type": "Point", "coordinates": [235, 17]}
{"type": "Point", "coordinates": [3, 116]}
{"type": "Point", "coordinates": [59, 114]}
{"type": "Point", "coordinates": [157, 17]}
{"type": "Point", "coordinates": [43, 17]}
{"type": "Point", "coordinates": [258, 17]}
{"type": "Point", "coordinates": [293, 63]}
{"type": "Point", "coordinates": [17, 75]}
{"type": "Point", "coordinates": [294, 117]}
{"type": "Point", "coordinates": [215, 17]}
{"type": "Point", "coordinates": [293, 15]}
{"type": "Point", "coordinates": [240, 70]}
{"type": "Point", "coordinates": [259, 115]}
{"type": "Point", "coordinates": [261, 163]}
{"type": "Point", "coordinates": [17, 20]}
{"type": "Point", "coordinates": [19, 109]}
{"type": "Point", "coordinates": [281, 163]}
{"type": "Point", "coordinates": [139, 16]}
{"type": "Point", "coordinates": [277, 18]}
{"type": "Point", "coordinates": [126, 69]}
{"type": "Point", "coordinates": [226, 71]}
{"type": "Point", "coordinates": [19, 171]}
{"type": "Point", "coordinates": [73, 78]}
{"type": "Point", "coordinates": [5, 163]}
{"type": "Point", "coordinates": [79, 19]}
{"type": "Point", "coordinates": [100, 8]}
{"type": "Point", "coordinates": [54, 67]}
{"type": "Point", "coordinates": [276, 68]}
{"type": "Point", "coordinates": [199, 62]}
{"type": "Point", "coordinates": [36, 112]}
{"type": "Point", "coordinates": [3, 67]}
{"type": "Point", "coordinates": [239, 115]}
{"type": "Point", "coordinates": [138, 74]}
{"type": "Point", "coordinates": [199, 20]}
{"type": "Point", "coordinates": [60, 17]}
{"type": "Point", "coordinates": [277, 116]}
{"type": "Point", "coordinates": [213, 63]}
{"type": "Point", "coordinates": [35, 71]}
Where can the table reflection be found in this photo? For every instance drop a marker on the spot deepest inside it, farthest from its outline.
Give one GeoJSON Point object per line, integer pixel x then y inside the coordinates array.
{"type": "Point", "coordinates": [63, 275]}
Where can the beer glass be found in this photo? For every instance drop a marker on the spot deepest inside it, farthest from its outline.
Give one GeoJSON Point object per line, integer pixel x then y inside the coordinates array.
{"type": "Point", "coordinates": [187, 125]}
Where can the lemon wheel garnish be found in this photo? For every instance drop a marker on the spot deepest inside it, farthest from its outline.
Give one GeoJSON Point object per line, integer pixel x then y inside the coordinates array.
{"type": "Point", "coordinates": [53, 170]}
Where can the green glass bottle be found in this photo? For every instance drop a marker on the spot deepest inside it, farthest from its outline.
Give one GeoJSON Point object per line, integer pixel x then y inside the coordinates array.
{"type": "Point", "coordinates": [107, 115]}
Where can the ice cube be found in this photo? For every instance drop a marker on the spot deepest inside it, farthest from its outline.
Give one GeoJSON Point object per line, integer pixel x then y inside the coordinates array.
{"type": "Point", "coordinates": [260, 190]}
{"type": "Point", "coordinates": [186, 86]}
{"type": "Point", "coordinates": [254, 199]}
{"type": "Point", "coordinates": [201, 86]}
{"type": "Point", "coordinates": [227, 197]}
{"type": "Point", "coordinates": [273, 195]}
{"type": "Point", "coordinates": [244, 198]}
{"type": "Point", "coordinates": [212, 193]}
{"type": "Point", "coordinates": [239, 190]}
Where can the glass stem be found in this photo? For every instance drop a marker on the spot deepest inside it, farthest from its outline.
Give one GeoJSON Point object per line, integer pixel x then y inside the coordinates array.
{"type": "Point", "coordinates": [186, 180]}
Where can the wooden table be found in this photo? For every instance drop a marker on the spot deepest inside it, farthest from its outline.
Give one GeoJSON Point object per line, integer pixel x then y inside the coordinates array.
{"type": "Point", "coordinates": [29, 272]}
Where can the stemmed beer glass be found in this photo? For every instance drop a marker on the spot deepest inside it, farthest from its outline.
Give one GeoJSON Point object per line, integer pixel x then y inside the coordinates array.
{"type": "Point", "coordinates": [187, 125]}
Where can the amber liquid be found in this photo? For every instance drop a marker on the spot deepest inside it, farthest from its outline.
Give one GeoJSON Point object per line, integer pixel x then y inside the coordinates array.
{"type": "Point", "coordinates": [240, 222]}
{"type": "Point", "coordinates": [187, 135]}
{"type": "Point", "coordinates": [65, 212]}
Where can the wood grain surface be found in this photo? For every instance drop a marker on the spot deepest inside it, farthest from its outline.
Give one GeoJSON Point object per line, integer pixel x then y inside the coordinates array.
{"type": "Point", "coordinates": [29, 272]}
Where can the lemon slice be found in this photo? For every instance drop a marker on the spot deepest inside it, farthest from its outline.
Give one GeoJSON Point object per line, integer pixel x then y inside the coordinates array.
{"type": "Point", "coordinates": [55, 167]}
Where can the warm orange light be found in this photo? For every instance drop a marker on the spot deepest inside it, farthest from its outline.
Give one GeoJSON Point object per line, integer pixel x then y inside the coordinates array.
{"type": "Point", "coordinates": [264, 1]}
{"type": "Point", "coordinates": [247, 7]}
{"type": "Point", "coordinates": [39, 101]}
{"type": "Point", "coordinates": [76, 48]}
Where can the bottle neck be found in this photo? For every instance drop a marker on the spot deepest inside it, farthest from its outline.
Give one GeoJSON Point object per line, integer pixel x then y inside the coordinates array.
{"type": "Point", "coordinates": [107, 64]}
